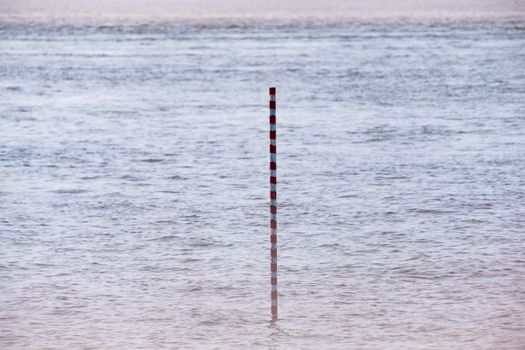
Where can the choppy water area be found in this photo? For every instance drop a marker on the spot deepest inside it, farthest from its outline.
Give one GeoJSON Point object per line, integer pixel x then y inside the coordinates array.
{"type": "Point", "coordinates": [134, 186]}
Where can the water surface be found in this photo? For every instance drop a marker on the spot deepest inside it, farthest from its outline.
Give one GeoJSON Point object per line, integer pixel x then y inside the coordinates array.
{"type": "Point", "coordinates": [134, 185]}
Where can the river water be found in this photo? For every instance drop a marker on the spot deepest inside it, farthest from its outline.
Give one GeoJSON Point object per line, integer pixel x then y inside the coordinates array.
{"type": "Point", "coordinates": [134, 185]}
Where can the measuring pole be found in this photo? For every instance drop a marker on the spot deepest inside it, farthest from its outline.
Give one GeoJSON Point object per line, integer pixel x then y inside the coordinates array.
{"type": "Point", "coordinates": [273, 201]}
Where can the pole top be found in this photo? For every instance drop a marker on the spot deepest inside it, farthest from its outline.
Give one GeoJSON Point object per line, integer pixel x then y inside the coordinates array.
{"type": "Point", "coordinates": [272, 90]}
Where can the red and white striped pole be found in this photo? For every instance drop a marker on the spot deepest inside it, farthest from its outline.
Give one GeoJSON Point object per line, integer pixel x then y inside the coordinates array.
{"type": "Point", "coordinates": [273, 201]}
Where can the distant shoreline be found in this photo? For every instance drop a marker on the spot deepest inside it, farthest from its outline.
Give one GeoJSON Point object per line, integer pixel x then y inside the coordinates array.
{"type": "Point", "coordinates": [251, 21]}
{"type": "Point", "coordinates": [230, 12]}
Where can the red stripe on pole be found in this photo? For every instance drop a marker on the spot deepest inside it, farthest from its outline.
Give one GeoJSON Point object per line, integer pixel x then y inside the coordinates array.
{"type": "Point", "coordinates": [273, 267]}
{"type": "Point", "coordinates": [273, 238]}
{"type": "Point", "coordinates": [273, 224]}
{"type": "Point", "coordinates": [273, 195]}
{"type": "Point", "coordinates": [273, 209]}
{"type": "Point", "coordinates": [273, 119]}
{"type": "Point", "coordinates": [272, 91]}
{"type": "Point", "coordinates": [273, 104]}
{"type": "Point", "coordinates": [273, 149]}
{"type": "Point", "coordinates": [273, 180]}
{"type": "Point", "coordinates": [273, 135]}
{"type": "Point", "coordinates": [273, 166]}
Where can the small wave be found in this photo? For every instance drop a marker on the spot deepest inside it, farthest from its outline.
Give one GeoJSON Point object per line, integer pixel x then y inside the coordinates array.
{"type": "Point", "coordinates": [176, 177]}
{"type": "Point", "coordinates": [13, 88]}
{"type": "Point", "coordinates": [163, 238]}
{"type": "Point", "coordinates": [430, 211]}
{"type": "Point", "coordinates": [203, 243]}
{"type": "Point", "coordinates": [347, 196]}
{"type": "Point", "coordinates": [131, 178]}
{"type": "Point", "coordinates": [93, 177]}
{"type": "Point", "coordinates": [152, 160]}
{"type": "Point", "coordinates": [329, 245]}
{"type": "Point", "coordinates": [70, 191]}
{"type": "Point", "coordinates": [43, 265]}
